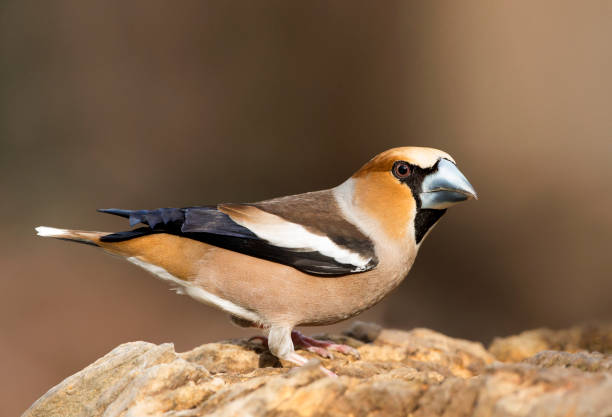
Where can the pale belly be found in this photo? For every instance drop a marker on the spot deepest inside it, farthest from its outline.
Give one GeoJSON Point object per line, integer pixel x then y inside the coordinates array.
{"type": "Point", "coordinates": [279, 294]}
{"type": "Point", "coordinates": [260, 291]}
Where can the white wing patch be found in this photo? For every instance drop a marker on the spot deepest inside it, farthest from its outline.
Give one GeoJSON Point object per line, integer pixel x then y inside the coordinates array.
{"type": "Point", "coordinates": [284, 234]}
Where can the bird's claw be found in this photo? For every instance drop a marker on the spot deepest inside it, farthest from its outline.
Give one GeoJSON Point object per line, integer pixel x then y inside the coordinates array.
{"type": "Point", "coordinates": [345, 349]}
{"type": "Point", "coordinates": [322, 347]}
{"type": "Point", "coordinates": [320, 351]}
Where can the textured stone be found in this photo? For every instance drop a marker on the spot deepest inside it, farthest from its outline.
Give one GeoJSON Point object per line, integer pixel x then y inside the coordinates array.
{"type": "Point", "coordinates": [585, 361]}
{"type": "Point", "coordinates": [417, 373]}
{"type": "Point", "coordinates": [596, 338]}
{"type": "Point", "coordinates": [365, 332]}
{"type": "Point", "coordinates": [521, 390]}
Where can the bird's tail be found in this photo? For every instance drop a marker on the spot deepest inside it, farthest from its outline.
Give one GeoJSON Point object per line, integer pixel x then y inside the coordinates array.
{"type": "Point", "coordinates": [80, 236]}
{"type": "Point", "coordinates": [168, 256]}
{"type": "Point", "coordinates": [165, 255]}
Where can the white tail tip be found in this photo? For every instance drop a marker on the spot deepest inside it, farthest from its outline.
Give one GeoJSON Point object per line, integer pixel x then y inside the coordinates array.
{"type": "Point", "coordinates": [50, 231]}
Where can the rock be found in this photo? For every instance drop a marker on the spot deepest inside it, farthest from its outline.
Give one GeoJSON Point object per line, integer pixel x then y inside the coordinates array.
{"type": "Point", "coordinates": [521, 390]}
{"type": "Point", "coordinates": [585, 361]}
{"type": "Point", "coordinates": [90, 391]}
{"type": "Point", "coordinates": [516, 348]}
{"type": "Point", "coordinates": [459, 357]}
{"type": "Point", "coordinates": [231, 356]}
{"type": "Point", "coordinates": [365, 332]}
{"type": "Point", "coordinates": [418, 372]}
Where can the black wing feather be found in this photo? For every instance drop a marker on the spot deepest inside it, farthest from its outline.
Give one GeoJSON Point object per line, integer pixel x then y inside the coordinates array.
{"type": "Point", "coordinates": [211, 220]}
{"type": "Point", "coordinates": [209, 225]}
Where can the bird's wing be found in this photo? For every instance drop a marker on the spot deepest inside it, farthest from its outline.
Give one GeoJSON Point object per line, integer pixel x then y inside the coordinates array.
{"type": "Point", "coordinates": [301, 231]}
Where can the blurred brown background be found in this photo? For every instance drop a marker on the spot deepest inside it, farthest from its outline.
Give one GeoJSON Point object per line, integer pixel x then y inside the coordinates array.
{"type": "Point", "coordinates": [149, 103]}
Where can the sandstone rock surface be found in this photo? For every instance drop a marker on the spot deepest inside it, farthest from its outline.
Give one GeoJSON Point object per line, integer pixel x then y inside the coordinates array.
{"type": "Point", "coordinates": [400, 373]}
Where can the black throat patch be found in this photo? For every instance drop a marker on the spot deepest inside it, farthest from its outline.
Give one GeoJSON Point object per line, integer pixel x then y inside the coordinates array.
{"type": "Point", "coordinates": [425, 218]}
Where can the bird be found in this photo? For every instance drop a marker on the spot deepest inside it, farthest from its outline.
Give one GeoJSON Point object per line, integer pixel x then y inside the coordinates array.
{"type": "Point", "coordinates": [308, 259]}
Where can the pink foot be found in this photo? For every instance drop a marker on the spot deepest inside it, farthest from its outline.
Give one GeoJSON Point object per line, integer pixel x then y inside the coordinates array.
{"type": "Point", "coordinates": [296, 358]}
{"type": "Point", "coordinates": [321, 347]}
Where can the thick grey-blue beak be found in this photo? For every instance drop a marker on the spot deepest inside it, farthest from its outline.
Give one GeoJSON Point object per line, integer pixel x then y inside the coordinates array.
{"type": "Point", "coordinates": [445, 187]}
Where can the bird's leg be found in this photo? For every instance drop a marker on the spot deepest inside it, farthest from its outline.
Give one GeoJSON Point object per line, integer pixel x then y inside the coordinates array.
{"type": "Point", "coordinates": [321, 347]}
{"type": "Point", "coordinates": [280, 343]}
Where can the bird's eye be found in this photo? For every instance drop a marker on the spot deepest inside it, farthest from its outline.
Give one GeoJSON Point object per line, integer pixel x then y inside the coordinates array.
{"type": "Point", "coordinates": [401, 169]}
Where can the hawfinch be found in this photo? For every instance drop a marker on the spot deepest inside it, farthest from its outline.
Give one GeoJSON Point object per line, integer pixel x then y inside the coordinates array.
{"type": "Point", "coordinates": [302, 260]}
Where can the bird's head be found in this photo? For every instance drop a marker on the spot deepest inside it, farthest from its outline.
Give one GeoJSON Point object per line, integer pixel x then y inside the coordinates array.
{"type": "Point", "coordinates": [409, 186]}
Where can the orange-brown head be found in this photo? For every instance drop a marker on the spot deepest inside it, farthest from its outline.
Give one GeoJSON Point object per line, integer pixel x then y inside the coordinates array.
{"type": "Point", "coordinates": [409, 186]}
